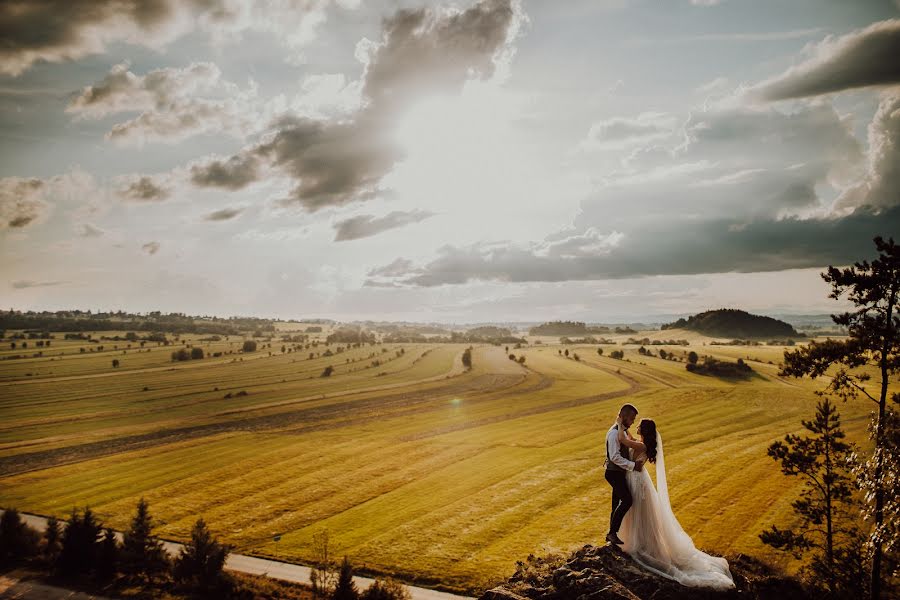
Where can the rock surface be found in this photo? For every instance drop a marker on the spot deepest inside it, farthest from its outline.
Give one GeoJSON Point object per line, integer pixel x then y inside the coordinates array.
{"type": "Point", "coordinates": [606, 573]}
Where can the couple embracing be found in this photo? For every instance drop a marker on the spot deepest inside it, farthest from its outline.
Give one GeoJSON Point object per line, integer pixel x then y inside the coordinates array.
{"type": "Point", "coordinates": [642, 521]}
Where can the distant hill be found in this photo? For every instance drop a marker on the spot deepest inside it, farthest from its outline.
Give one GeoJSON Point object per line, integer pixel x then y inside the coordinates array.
{"type": "Point", "coordinates": [733, 323]}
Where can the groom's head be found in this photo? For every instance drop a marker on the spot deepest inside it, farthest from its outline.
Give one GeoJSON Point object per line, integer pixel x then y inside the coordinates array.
{"type": "Point", "coordinates": [628, 413]}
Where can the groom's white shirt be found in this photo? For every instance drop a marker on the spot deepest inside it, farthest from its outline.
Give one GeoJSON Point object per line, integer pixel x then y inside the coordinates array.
{"type": "Point", "coordinates": [615, 450]}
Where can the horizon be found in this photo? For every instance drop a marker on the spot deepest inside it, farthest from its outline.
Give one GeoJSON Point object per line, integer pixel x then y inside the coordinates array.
{"type": "Point", "coordinates": [468, 161]}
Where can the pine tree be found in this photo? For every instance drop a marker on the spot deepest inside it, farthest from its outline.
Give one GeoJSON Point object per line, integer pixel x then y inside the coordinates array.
{"type": "Point", "coordinates": [201, 562]}
{"type": "Point", "coordinates": [345, 588]}
{"type": "Point", "coordinates": [52, 537]}
{"type": "Point", "coordinates": [142, 554]}
{"type": "Point", "coordinates": [874, 341]}
{"type": "Point", "coordinates": [17, 539]}
{"type": "Point", "coordinates": [827, 497]}
{"type": "Point", "coordinates": [80, 543]}
{"type": "Point", "coordinates": [108, 556]}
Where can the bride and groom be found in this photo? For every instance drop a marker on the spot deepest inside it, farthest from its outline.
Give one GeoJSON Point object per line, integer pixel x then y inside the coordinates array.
{"type": "Point", "coordinates": [650, 533]}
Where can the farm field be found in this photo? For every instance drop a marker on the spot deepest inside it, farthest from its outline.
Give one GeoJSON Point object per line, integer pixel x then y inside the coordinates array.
{"type": "Point", "coordinates": [416, 466]}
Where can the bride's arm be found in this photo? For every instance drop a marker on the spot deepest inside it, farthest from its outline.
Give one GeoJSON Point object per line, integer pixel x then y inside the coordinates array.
{"type": "Point", "coordinates": [630, 443]}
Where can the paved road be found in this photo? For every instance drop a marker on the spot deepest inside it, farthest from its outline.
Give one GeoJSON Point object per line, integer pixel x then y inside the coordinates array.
{"type": "Point", "coordinates": [27, 590]}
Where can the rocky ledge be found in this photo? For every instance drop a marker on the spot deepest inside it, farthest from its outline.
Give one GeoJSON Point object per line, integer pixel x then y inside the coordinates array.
{"type": "Point", "coordinates": [601, 573]}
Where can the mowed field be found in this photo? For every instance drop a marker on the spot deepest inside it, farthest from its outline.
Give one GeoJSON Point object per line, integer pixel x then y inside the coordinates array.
{"type": "Point", "coordinates": [417, 467]}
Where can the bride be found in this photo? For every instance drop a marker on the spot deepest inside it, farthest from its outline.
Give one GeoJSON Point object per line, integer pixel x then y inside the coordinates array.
{"type": "Point", "coordinates": [652, 535]}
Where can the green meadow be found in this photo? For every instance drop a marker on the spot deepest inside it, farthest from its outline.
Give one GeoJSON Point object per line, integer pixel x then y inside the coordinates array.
{"type": "Point", "coordinates": [416, 466]}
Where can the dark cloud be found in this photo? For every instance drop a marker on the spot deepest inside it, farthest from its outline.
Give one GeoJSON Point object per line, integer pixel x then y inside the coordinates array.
{"type": "Point", "coordinates": [867, 57]}
{"type": "Point", "coordinates": [665, 247]}
{"type": "Point", "coordinates": [362, 226]}
{"type": "Point", "coordinates": [61, 30]}
{"type": "Point", "coordinates": [224, 214]}
{"type": "Point", "coordinates": [21, 202]}
{"type": "Point", "coordinates": [340, 161]}
{"type": "Point", "coordinates": [233, 173]}
{"type": "Point", "coordinates": [25, 284]}
{"type": "Point", "coordinates": [398, 268]}
{"type": "Point", "coordinates": [143, 188]}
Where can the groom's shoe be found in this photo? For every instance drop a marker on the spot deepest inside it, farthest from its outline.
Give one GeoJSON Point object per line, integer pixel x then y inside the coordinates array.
{"type": "Point", "coordinates": [613, 539]}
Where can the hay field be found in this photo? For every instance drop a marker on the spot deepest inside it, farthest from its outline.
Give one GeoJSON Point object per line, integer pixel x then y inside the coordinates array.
{"type": "Point", "coordinates": [417, 467]}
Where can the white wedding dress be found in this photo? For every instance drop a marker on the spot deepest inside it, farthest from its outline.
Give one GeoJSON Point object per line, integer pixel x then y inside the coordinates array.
{"type": "Point", "coordinates": [654, 538]}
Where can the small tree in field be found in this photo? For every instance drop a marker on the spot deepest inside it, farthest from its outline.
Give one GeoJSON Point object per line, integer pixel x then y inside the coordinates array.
{"type": "Point", "coordinates": [825, 505]}
{"type": "Point", "coordinates": [599, 351]}
{"type": "Point", "coordinates": [323, 575]}
{"type": "Point", "coordinates": [692, 357]}
{"type": "Point", "coordinates": [142, 555]}
{"type": "Point", "coordinates": [467, 358]}
{"type": "Point", "coordinates": [874, 342]}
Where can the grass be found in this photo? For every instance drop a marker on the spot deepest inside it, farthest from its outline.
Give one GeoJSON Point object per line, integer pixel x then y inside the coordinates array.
{"type": "Point", "coordinates": [437, 475]}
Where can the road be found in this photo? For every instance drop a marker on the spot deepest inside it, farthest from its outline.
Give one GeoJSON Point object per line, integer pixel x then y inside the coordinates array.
{"type": "Point", "coordinates": [10, 587]}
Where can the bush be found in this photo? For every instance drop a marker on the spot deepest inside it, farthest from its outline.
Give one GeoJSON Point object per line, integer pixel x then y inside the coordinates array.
{"type": "Point", "coordinates": [196, 352]}
{"type": "Point", "coordinates": [692, 357]}
{"type": "Point", "coordinates": [249, 346]}
{"type": "Point", "coordinates": [327, 372]}
{"type": "Point", "coordinates": [617, 354]}
{"type": "Point", "coordinates": [522, 360]}
{"type": "Point", "coordinates": [467, 358]}
{"type": "Point", "coordinates": [181, 355]}
{"type": "Point", "coordinates": [387, 589]}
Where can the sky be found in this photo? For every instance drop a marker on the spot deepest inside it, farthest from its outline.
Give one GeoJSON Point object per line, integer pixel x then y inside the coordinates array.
{"type": "Point", "coordinates": [454, 161]}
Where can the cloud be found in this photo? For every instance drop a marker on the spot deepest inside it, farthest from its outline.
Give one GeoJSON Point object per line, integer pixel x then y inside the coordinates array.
{"type": "Point", "coordinates": [22, 202]}
{"type": "Point", "coordinates": [398, 268]}
{"type": "Point", "coordinates": [338, 161]}
{"type": "Point", "coordinates": [25, 284]}
{"type": "Point", "coordinates": [666, 246]}
{"type": "Point", "coordinates": [863, 58]}
{"type": "Point", "coordinates": [63, 30]}
{"type": "Point", "coordinates": [150, 247]}
{"type": "Point", "coordinates": [619, 132]}
{"type": "Point", "coordinates": [224, 214]}
{"type": "Point", "coordinates": [168, 103]}
{"type": "Point", "coordinates": [143, 188]}
{"type": "Point", "coordinates": [881, 184]}
{"type": "Point", "coordinates": [362, 226]}
{"type": "Point", "coordinates": [91, 231]}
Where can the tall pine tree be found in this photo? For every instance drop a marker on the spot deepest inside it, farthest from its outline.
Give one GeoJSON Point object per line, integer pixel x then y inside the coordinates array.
{"type": "Point", "coordinates": [142, 554]}
{"type": "Point", "coordinates": [345, 589]}
{"type": "Point", "coordinates": [874, 341]}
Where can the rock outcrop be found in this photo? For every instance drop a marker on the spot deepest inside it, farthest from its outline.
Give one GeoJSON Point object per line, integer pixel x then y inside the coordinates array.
{"type": "Point", "coordinates": [606, 573]}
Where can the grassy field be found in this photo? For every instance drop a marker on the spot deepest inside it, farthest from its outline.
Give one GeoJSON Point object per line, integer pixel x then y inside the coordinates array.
{"type": "Point", "coordinates": [417, 467]}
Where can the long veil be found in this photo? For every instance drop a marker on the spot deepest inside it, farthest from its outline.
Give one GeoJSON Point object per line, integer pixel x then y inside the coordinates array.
{"type": "Point", "coordinates": [662, 488]}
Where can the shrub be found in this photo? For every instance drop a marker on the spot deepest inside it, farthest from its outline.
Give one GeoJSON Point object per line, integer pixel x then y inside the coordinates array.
{"type": "Point", "coordinates": [249, 346]}
{"type": "Point", "coordinates": [692, 357]}
{"type": "Point", "coordinates": [387, 589]}
{"type": "Point", "coordinates": [467, 358]}
{"type": "Point", "coordinates": [196, 352]}
{"type": "Point", "coordinates": [327, 372]}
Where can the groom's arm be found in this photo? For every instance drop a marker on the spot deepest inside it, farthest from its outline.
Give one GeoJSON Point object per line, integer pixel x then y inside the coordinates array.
{"type": "Point", "coordinates": [615, 452]}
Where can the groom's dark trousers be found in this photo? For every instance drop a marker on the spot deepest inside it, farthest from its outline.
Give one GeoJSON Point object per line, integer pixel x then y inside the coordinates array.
{"type": "Point", "coordinates": [621, 498]}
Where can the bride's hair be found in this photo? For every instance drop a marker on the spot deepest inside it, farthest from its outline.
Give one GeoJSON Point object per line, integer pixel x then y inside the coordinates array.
{"type": "Point", "coordinates": [647, 429]}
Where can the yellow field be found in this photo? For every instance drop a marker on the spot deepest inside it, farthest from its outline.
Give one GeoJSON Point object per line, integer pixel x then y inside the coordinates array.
{"type": "Point", "coordinates": [416, 467]}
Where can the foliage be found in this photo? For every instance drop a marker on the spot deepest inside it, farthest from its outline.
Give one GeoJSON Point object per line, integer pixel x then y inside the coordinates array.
{"type": "Point", "coordinates": [827, 498]}
{"type": "Point", "coordinates": [108, 556]}
{"type": "Point", "coordinates": [80, 544]}
{"type": "Point", "coordinates": [142, 554]}
{"type": "Point", "coordinates": [51, 540]}
{"type": "Point", "coordinates": [17, 539]}
{"type": "Point", "coordinates": [345, 589]}
{"type": "Point", "coordinates": [323, 574]}
{"type": "Point", "coordinates": [733, 323]}
{"type": "Point", "coordinates": [467, 358]}
{"type": "Point", "coordinates": [327, 371]}
{"type": "Point", "coordinates": [874, 341]}
{"type": "Point", "coordinates": [720, 368]}
{"type": "Point", "coordinates": [387, 589]}
{"type": "Point", "coordinates": [200, 565]}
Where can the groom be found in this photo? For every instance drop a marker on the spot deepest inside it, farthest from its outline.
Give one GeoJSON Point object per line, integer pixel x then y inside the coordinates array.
{"type": "Point", "coordinates": [616, 466]}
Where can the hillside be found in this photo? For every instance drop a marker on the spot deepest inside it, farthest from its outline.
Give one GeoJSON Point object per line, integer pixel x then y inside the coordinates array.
{"type": "Point", "coordinates": [734, 323]}
{"type": "Point", "coordinates": [602, 573]}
